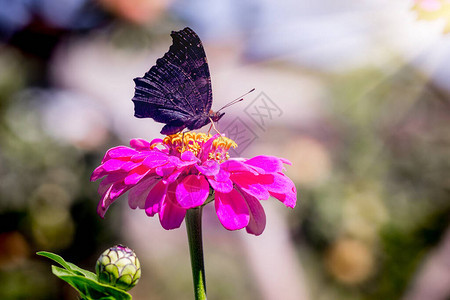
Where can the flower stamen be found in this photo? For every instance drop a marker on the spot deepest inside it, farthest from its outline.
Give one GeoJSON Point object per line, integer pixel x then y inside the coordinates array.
{"type": "Point", "coordinates": [194, 141]}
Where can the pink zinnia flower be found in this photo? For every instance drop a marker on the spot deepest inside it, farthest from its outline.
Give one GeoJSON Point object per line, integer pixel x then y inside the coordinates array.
{"type": "Point", "coordinates": [181, 172]}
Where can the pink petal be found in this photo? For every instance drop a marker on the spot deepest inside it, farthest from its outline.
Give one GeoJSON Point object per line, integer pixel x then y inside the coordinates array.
{"type": "Point", "coordinates": [269, 164]}
{"type": "Point", "coordinates": [103, 187]}
{"type": "Point", "coordinates": [232, 210]}
{"type": "Point", "coordinates": [118, 152]}
{"type": "Point", "coordinates": [221, 182]}
{"type": "Point", "coordinates": [165, 170]}
{"type": "Point", "coordinates": [209, 168]}
{"type": "Point", "coordinates": [155, 198]}
{"type": "Point", "coordinates": [155, 159]}
{"type": "Point", "coordinates": [257, 222]}
{"type": "Point", "coordinates": [257, 170]}
{"type": "Point", "coordinates": [138, 194]}
{"type": "Point", "coordinates": [222, 175]}
{"type": "Point", "coordinates": [189, 156]}
{"type": "Point", "coordinates": [250, 184]}
{"type": "Point", "coordinates": [281, 183]}
{"type": "Point", "coordinates": [140, 144]}
{"type": "Point", "coordinates": [108, 181]}
{"type": "Point", "coordinates": [129, 165]}
{"type": "Point", "coordinates": [140, 156]}
{"type": "Point", "coordinates": [221, 186]}
{"type": "Point", "coordinates": [233, 166]}
{"type": "Point", "coordinates": [118, 189]}
{"type": "Point", "coordinates": [99, 172]}
{"type": "Point", "coordinates": [113, 164]}
{"type": "Point", "coordinates": [192, 191]}
{"type": "Point", "coordinates": [172, 177]}
{"type": "Point", "coordinates": [171, 215]}
{"type": "Point", "coordinates": [289, 198]}
{"type": "Point", "coordinates": [136, 175]}
{"type": "Point", "coordinates": [156, 141]}
{"type": "Point", "coordinates": [204, 152]}
{"type": "Point", "coordinates": [104, 203]}
{"type": "Point", "coordinates": [286, 161]}
{"type": "Point", "coordinates": [181, 163]}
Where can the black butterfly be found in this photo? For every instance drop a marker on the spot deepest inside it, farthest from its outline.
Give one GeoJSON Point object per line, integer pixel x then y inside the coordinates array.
{"type": "Point", "coordinates": [177, 90]}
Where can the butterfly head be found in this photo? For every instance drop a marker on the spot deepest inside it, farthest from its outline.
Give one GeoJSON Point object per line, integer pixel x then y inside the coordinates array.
{"type": "Point", "coordinates": [215, 116]}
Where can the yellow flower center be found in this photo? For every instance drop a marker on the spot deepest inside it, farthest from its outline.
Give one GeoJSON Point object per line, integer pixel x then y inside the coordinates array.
{"type": "Point", "coordinates": [193, 141]}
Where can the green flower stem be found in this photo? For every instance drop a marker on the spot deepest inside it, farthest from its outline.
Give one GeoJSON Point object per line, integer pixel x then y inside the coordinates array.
{"type": "Point", "coordinates": [194, 232]}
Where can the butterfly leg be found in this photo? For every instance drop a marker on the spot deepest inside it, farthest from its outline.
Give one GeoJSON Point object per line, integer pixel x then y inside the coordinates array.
{"type": "Point", "coordinates": [182, 141]}
{"type": "Point", "coordinates": [212, 125]}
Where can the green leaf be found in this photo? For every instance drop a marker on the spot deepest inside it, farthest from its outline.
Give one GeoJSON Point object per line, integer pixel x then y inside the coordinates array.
{"type": "Point", "coordinates": [86, 273]}
{"type": "Point", "coordinates": [85, 282]}
{"type": "Point", "coordinates": [56, 258]}
{"type": "Point", "coordinates": [103, 298]}
{"type": "Point", "coordinates": [90, 289]}
{"type": "Point", "coordinates": [67, 265]}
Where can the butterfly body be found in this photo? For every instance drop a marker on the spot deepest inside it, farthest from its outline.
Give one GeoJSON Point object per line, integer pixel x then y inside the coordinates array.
{"type": "Point", "coordinates": [177, 90]}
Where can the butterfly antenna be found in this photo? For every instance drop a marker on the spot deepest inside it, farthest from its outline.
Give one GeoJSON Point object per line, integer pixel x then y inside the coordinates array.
{"type": "Point", "coordinates": [239, 99]}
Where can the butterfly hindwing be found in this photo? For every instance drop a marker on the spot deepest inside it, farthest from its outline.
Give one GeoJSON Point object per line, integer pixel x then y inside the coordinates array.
{"type": "Point", "coordinates": [177, 90]}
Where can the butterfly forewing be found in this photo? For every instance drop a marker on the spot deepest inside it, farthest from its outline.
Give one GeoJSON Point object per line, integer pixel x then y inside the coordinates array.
{"type": "Point", "coordinates": [177, 90]}
{"type": "Point", "coordinates": [188, 53]}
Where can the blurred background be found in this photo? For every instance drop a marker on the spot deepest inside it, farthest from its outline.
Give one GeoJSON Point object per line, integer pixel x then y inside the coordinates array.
{"type": "Point", "coordinates": [355, 93]}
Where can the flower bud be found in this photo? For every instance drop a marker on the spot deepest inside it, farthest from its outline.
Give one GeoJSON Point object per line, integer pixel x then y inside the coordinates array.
{"type": "Point", "coordinates": [118, 266]}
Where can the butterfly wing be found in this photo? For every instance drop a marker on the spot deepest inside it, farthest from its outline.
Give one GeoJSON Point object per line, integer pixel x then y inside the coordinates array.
{"type": "Point", "coordinates": [177, 90]}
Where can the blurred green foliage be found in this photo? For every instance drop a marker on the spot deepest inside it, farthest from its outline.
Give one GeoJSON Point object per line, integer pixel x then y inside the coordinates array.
{"type": "Point", "coordinates": [391, 160]}
{"type": "Point", "coordinates": [45, 201]}
{"type": "Point", "coordinates": [361, 232]}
